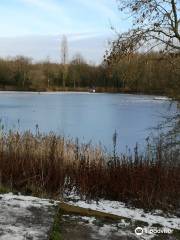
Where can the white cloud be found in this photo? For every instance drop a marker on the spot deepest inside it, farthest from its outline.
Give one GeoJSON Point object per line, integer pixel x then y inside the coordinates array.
{"type": "Point", "coordinates": [91, 46]}
{"type": "Point", "coordinates": [39, 24]}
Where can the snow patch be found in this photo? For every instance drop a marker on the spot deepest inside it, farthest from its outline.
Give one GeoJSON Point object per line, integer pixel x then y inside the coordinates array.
{"type": "Point", "coordinates": [119, 209]}
{"type": "Point", "coordinates": [25, 217]}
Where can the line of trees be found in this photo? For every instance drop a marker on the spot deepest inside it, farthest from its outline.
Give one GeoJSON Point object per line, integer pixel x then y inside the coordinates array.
{"type": "Point", "coordinates": [150, 73]}
{"type": "Point", "coordinates": [144, 59]}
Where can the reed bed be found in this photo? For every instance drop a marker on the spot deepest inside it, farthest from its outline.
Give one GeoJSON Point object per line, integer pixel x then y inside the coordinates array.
{"type": "Point", "coordinates": [49, 164]}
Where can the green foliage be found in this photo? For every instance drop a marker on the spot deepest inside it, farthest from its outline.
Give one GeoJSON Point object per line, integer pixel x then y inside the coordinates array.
{"type": "Point", "coordinates": [4, 190]}
{"type": "Point", "coordinates": [56, 230]}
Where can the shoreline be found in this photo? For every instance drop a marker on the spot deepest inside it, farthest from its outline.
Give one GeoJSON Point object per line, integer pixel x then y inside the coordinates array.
{"type": "Point", "coordinates": [81, 91]}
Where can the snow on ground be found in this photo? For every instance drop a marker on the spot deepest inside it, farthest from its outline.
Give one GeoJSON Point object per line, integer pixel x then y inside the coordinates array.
{"type": "Point", "coordinates": [119, 209]}
{"type": "Point", "coordinates": [24, 217]}
{"type": "Point", "coordinates": [91, 228]}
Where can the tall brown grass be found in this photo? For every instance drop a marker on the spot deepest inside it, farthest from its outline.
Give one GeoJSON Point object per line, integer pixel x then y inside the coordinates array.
{"type": "Point", "coordinates": [50, 164]}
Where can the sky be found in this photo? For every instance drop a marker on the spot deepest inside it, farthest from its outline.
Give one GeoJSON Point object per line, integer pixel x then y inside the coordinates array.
{"type": "Point", "coordinates": [34, 28]}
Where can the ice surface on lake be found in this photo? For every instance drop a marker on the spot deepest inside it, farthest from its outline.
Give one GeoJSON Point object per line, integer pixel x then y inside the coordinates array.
{"type": "Point", "coordinates": [87, 116]}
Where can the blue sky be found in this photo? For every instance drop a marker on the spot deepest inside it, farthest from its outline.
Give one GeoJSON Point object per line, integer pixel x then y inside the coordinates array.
{"type": "Point", "coordinates": [35, 27]}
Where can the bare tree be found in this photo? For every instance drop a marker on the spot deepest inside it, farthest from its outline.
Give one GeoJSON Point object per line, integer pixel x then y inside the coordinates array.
{"type": "Point", "coordinates": [156, 24]}
{"type": "Point", "coordinates": [64, 58]}
{"type": "Point", "coordinates": [78, 63]}
{"type": "Point", "coordinates": [22, 64]}
{"type": "Point", "coordinates": [64, 50]}
{"type": "Point", "coordinates": [46, 65]}
{"type": "Point", "coordinates": [78, 59]}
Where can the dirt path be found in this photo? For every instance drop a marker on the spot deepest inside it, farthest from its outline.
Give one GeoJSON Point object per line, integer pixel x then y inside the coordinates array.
{"type": "Point", "coordinates": [23, 217]}
{"type": "Point", "coordinates": [76, 227]}
{"type": "Point", "coordinates": [30, 218]}
{"type": "Point", "coordinates": [89, 228]}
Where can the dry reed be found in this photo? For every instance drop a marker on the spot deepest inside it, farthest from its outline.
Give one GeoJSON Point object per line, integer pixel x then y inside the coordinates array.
{"type": "Point", "coordinates": [50, 164]}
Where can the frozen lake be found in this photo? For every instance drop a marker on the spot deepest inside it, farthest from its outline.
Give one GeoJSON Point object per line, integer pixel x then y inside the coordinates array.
{"type": "Point", "coordinates": [84, 115]}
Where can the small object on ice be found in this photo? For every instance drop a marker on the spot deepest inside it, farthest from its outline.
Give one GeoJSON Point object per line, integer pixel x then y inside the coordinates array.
{"type": "Point", "coordinates": [92, 90]}
{"type": "Point", "coordinates": [162, 98]}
